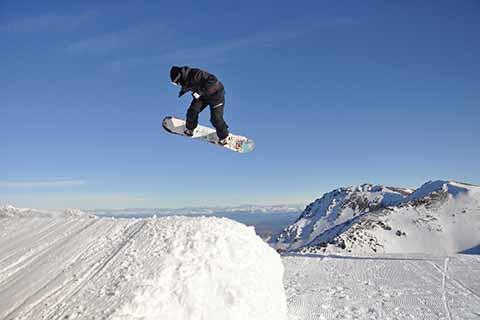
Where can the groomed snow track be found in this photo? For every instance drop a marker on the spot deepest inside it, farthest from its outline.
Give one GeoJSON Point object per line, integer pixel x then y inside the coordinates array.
{"type": "Point", "coordinates": [382, 287]}
{"type": "Point", "coordinates": [42, 269]}
{"type": "Point", "coordinates": [130, 269]}
{"type": "Point", "coordinates": [93, 268]}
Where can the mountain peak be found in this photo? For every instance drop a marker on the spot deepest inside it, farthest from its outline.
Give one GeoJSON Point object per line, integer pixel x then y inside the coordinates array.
{"type": "Point", "coordinates": [444, 186]}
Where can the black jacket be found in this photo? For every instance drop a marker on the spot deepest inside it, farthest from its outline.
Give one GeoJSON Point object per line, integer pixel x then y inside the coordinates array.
{"type": "Point", "coordinates": [202, 82]}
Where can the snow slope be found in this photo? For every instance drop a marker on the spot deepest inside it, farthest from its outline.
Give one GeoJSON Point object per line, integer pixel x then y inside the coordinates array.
{"type": "Point", "coordinates": [440, 217]}
{"type": "Point", "coordinates": [210, 268]}
{"type": "Point", "coordinates": [169, 268]}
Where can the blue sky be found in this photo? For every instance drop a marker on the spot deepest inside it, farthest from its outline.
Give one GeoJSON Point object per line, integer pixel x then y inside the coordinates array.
{"type": "Point", "coordinates": [333, 92]}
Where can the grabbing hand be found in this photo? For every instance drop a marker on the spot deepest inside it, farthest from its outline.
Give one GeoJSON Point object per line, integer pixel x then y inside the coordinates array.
{"type": "Point", "coordinates": [181, 93]}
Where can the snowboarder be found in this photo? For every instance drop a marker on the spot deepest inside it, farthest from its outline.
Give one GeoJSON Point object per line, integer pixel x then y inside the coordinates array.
{"type": "Point", "coordinates": [207, 90]}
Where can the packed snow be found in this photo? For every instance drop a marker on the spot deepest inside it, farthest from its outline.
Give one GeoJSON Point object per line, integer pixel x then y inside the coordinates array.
{"type": "Point", "coordinates": [59, 266]}
{"type": "Point", "coordinates": [382, 287]}
{"type": "Point", "coordinates": [205, 268]}
{"type": "Point", "coordinates": [169, 268]}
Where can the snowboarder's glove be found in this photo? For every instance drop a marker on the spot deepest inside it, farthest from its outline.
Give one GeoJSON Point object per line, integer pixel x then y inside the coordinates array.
{"type": "Point", "coordinates": [181, 93]}
{"type": "Point", "coordinates": [196, 95]}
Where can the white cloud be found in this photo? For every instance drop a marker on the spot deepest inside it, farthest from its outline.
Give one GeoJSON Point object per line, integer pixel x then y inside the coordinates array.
{"type": "Point", "coordinates": [108, 42]}
{"type": "Point", "coordinates": [257, 39]}
{"type": "Point", "coordinates": [59, 183]}
{"type": "Point", "coordinates": [98, 45]}
{"type": "Point", "coordinates": [69, 199]}
{"type": "Point", "coordinates": [48, 21]}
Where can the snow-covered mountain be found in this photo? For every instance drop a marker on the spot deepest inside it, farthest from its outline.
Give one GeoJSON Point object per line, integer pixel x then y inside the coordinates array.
{"type": "Point", "coordinates": [440, 217]}
{"type": "Point", "coordinates": [10, 211]}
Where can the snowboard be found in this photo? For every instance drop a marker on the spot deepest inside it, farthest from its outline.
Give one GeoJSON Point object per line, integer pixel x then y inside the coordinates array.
{"type": "Point", "coordinates": [236, 143]}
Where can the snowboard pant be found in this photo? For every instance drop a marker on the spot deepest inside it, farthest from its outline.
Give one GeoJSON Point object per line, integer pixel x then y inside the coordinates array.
{"type": "Point", "coordinates": [217, 104]}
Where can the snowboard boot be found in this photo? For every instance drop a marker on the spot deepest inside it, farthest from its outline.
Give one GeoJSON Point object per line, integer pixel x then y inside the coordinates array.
{"type": "Point", "coordinates": [188, 132]}
{"type": "Point", "coordinates": [224, 141]}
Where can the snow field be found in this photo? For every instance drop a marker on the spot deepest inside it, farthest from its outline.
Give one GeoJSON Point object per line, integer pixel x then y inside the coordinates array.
{"type": "Point", "coordinates": [383, 287]}
{"type": "Point", "coordinates": [212, 268]}
{"type": "Point", "coordinates": [169, 268]}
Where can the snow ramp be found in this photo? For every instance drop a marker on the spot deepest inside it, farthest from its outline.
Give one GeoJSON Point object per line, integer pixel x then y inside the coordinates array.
{"type": "Point", "coordinates": [169, 268]}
